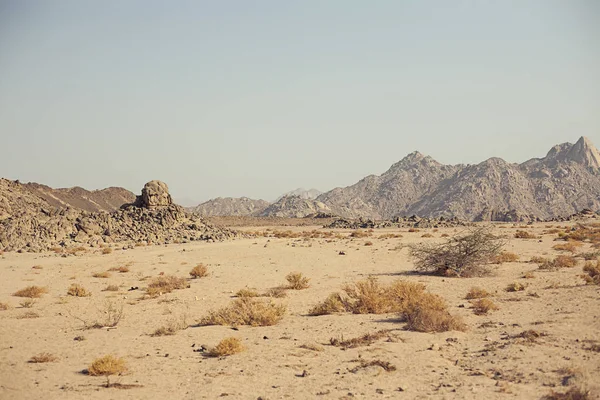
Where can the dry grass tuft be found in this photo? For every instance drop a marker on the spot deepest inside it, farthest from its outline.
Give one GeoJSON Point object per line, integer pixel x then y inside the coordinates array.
{"type": "Point", "coordinates": [484, 306]}
{"type": "Point", "coordinates": [505, 257]}
{"type": "Point", "coordinates": [111, 288]}
{"type": "Point", "coordinates": [165, 284]}
{"type": "Point", "coordinates": [364, 340]}
{"type": "Point", "coordinates": [104, 274]}
{"type": "Point", "coordinates": [28, 315]}
{"type": "Point", "coordinates": [246, 292]}
{"type": "Point", "coordinates": [593, 273]}
{"type": "Point", "coordinates": [120, 269]}
{"type": "Point", "coordinates": [4, 306]}
{"type": "Point", "coordinates": [246, 311]}
{"type": "Point", "coordinates": [333, 304]}
{"type": "Point", "coordinates": [559, 262]}
{"type": "Point", "coordinates": [199, 271]}
{"type": "Point", "coordinates": [107, 250]}
{"type": "Point", "coordinates": [360, 234]}
{"type": "Point", "coordinates": [368, 243]}
{"type": "Point", "coordinates": [477, 293]}
{"type": "Point", "coordinates": [297, 281]}
{"type": "Point", "coordinates": [572, 394]}
{"type": "Point", "coordinates": [43, 358]}
{"type": "Point", "coordinates": [515, 287]}
{"type": "Point", "coordinates": [424, 319]}
{"type": "Point", "coordinates": [33, 292]}
{"type": "Point", "coordinates": [78, 291]}
{"type": "Point", "coordinates": [27, 303]}
{"type": "Point", "coordinates": [525, 235]}
{"type": "Point", "coordinates": [107, 366]}
{"type": "Point", "coordinates": [312, 347]}
{"type": "Point", "coordinates": [427, 235]}
{"type": "Point", "coordinates": [276, 292]}
{"type": "Point", "coordinates": [227, 347]}
{"type": "Point", "coordinates": [388, 367]}
{"type": "Point", "coordinates": [538, 260]}
{"type": "Point", "coordinates": [571, 247]}
{"type": "Point", "coordinates": [528, 275]}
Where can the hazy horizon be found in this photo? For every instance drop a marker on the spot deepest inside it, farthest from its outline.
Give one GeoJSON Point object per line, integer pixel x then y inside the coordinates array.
{"type": "Point", "coordinates": [234, 99]}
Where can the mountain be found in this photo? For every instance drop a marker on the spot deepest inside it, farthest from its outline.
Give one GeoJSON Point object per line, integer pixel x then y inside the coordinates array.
{"type": "Point", "coordinates": [294, 207]}
{"type": "Point", "coordinates": [563, 182]}
{"type": "Point", "coordinates": [15, 196]}
{"type": "Point", "coordinates": [310, 194]}
{"type": "Point", "coordinates": [230, 206]}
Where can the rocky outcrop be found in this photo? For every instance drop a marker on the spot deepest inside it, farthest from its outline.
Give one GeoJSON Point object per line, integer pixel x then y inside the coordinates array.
{"type": "Point", "coordinates": [230, 206]}
{"type": "Point", "coordinates": [309, 194]}
{"type": "Point", "coordinates": [153, 218]}
{"type": "Point", "coordinates": [398, 222]}
{"type": "Point", "coordinates": [294, 207]}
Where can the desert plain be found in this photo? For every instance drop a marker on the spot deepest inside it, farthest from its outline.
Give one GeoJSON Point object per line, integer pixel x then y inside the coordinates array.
{"type": "Point", "coordinates": [543, 339]}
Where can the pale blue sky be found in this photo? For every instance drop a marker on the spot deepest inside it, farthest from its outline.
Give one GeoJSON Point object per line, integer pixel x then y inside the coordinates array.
{"type": "Point", "coordinates": [255, 98]}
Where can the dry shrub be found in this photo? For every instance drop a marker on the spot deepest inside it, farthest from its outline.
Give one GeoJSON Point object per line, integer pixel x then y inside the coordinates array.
{"type": "Point", "coordinates": [528, 275]}
{"type": "Point", "coordinates": [297, 281]}
{"type": "Point", "coordinates": [333, 304]}
{"type": "Point", "coordinates": [107, 250]}
{"type": "Point", "coordinates": [43, 358]}
{"type": "Point", "coordinates": [27, 303]}
{"type": "Point", "coordinates": [199, 271]}
{"type": "Point", "coordinates": [572, 394]}
{"type": "Point", "coordinates": [165, 284]}
{"type": "Point", "coordinates": [37, 267]}
{"type": "Point", "coordinates": [368, 243]}
{"type": "Point", "coordinates": [390, 236]}
{"type": "Point", "coordinates": [247, 293]}
{"type": "Point", "coordinates": [112, 313]}
{"type": "Point", "coordinates": [463, 255]}
{"type": "Point", "coordinates": [387, 366]}
{"type": "Point", "coordinates": [104, 274]}
{"type": "Point", "coordinates": [593, 272]}
{"type": "Point", "coordinates": [120, 269]}
{"type": "Point", "coordinates": [568, 246]}
{"type": "Point", "coordinates": [427, 235]}
{"type": "Point", "coordinates": [111, 288]}
{"type": "Point", "coordinates": [4, 306]}
{"type": "Point", "coordinates": [33, 292]}
{"type": "Point", "coordinates": [444, 235]}
{"type": "Point", "coordinates": [312, 347]}
{"type": "Point", "coordinates": [78, 291]}
{"type": "Point", "coordinates": [505, 257]}
{"type": "Point", "coordinates": [559, 262]}
{"type": "Point", "coordinates": [424, 319]}
{"type": "Point", "coordinates": [364, 340]}
{"type": "Point", "coordinates": [538, 260]}
{"type": "Point", "coordinates": [484, 306]}
{"type": "Point", "coordinates": [172, 327]}
{"type": "Point", "coordinates": [477, 293]}
{"type": "Point", "coordinates": [246, 311]}
{"type": "Point", "coordinates": [525, 235]}
{"type": "Point", "coordinates": [276, 292]}
{"type": "Point", "coordinates": [107, 366]}
{"type": "Point", "coordinates": [589, 256]}
{"type": "Point", "coordinates": [227, 347]}
{"type": "Point", "coordinates": [515, 287]}
{"type": "Point", "coordinates": [413, 230]}
{"type": "Point", "coordinates": [28, 315]}
{"type": "Point", "coordinates": [360, 234]}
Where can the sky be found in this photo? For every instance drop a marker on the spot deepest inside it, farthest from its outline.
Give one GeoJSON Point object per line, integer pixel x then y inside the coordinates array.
{"type": "Point", "coordinates": [239, 98]}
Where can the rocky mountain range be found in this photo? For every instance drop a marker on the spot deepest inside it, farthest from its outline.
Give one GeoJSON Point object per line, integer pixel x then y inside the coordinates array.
{"type": "Point", "coordinates": [309, 194]}
{"type": "Point", "coordinates": [563, 182]}
{"type": "Point", "coordinates": [230, 206]}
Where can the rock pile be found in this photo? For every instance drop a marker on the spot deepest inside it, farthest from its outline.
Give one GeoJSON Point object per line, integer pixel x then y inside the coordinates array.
{"type": "Point", "coordinates": [152, 218]}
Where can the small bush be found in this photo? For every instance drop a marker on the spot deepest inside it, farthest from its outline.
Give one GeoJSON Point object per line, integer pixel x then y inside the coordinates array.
{"type": "Point", "coordinates": [104, 274]}
{"type": "Point", "coordinates": [515, 287]}
{"type": "Point", "coordinates": [4, 306]}
{"type": "Point", "coordinates": [247, 293]}
{"type": "Point", "coordinates": [276, 292]}
{"type": "Point", "coordinates": [424, 319]}
{"type": "Point", "coordinates": [107, 366]}
{"type": "Point", "coordinates": [199, 271]}
{"type": "Point", "coordinates": [107, 250]}
{"type": "Point", "coordinates": [364, 340]}
{"type": "Point", "coordinates": [464, 255]}
{"type": "Point", "coordinates": [484, 306]}
{"type": "Point", "coordinates": [165, 284]}
{"type": "Point", "coordinates": [538, 260]}
{"type": "Point", "coordinates": [368, 243]}
{"type": "Point", "coordinates": [528, 275]}
{"type": "Point", "coordinates": [333, 304]}
{"type": "Point", "coordinates": [559, 262]}
{"type": "Point", "coordinates": [78, 291]}
{"type": "Point", "coordinates": [120, 269]}
{"type": "Point", "coordinates": [525, 235]}
{"type": "Point", "coordinates": [297, 281]}
{"type": "Point", "coordinates": [227, 347]}
{"type": "Point", "coordinates": [27, 303]}
{"type": "Point", "coordinates": [427, 235]}
{"type": "Point", "coordinates": [111, 288]}
{"type": "Point", "coordinates": [43, 358]}
{"type": "Point", "coordinates": [569, 246]}
{"type": "Point", "coordinates": [505, 257]}
{"type": "Point", "coordinates": [572, 394]}
{"type": "Point", "coordinates": [246, 311]}
{"type": "Point", "coordinates": [592, 271]}
{"type": "Point", "coordinates": [477, 293]}
{"type": "Point", "coordinates": [33, 292]}
{"type": "Point", "coordinates": [360, 234]}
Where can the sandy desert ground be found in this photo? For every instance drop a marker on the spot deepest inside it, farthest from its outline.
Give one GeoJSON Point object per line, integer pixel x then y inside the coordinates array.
{"type": "Point", "coordinates": [294, 359]}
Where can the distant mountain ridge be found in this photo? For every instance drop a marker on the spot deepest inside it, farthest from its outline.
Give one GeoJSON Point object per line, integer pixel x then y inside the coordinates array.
{"type": "Point", "coordinates": [309, 194]}
{"type": "Point", "coordinates": [563, 182]}
{"type": "Point", "coordinates": [230, 206]}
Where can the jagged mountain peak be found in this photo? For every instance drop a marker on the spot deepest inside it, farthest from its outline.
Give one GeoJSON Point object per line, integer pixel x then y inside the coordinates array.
{"type": "Point", "coordinates": [584, 152]}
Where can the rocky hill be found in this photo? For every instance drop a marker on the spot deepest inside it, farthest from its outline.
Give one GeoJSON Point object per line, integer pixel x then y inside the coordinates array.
{"type": "Point", "coordinates": [309, 194]}
{"type": "Point", "coordinates": [15, 196]}
{"type": "Point", "coordinates": [31, 224]}
{"type": "Point", "coordinates": [563, 182]}
{"type": "Point", "coordinates": [230, 206]}
{"type": "Point", "coordinates": [294, 207]}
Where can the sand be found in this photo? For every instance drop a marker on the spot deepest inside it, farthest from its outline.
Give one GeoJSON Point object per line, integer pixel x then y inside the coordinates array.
{"type": "Point", "coordinates": [489, 360]}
